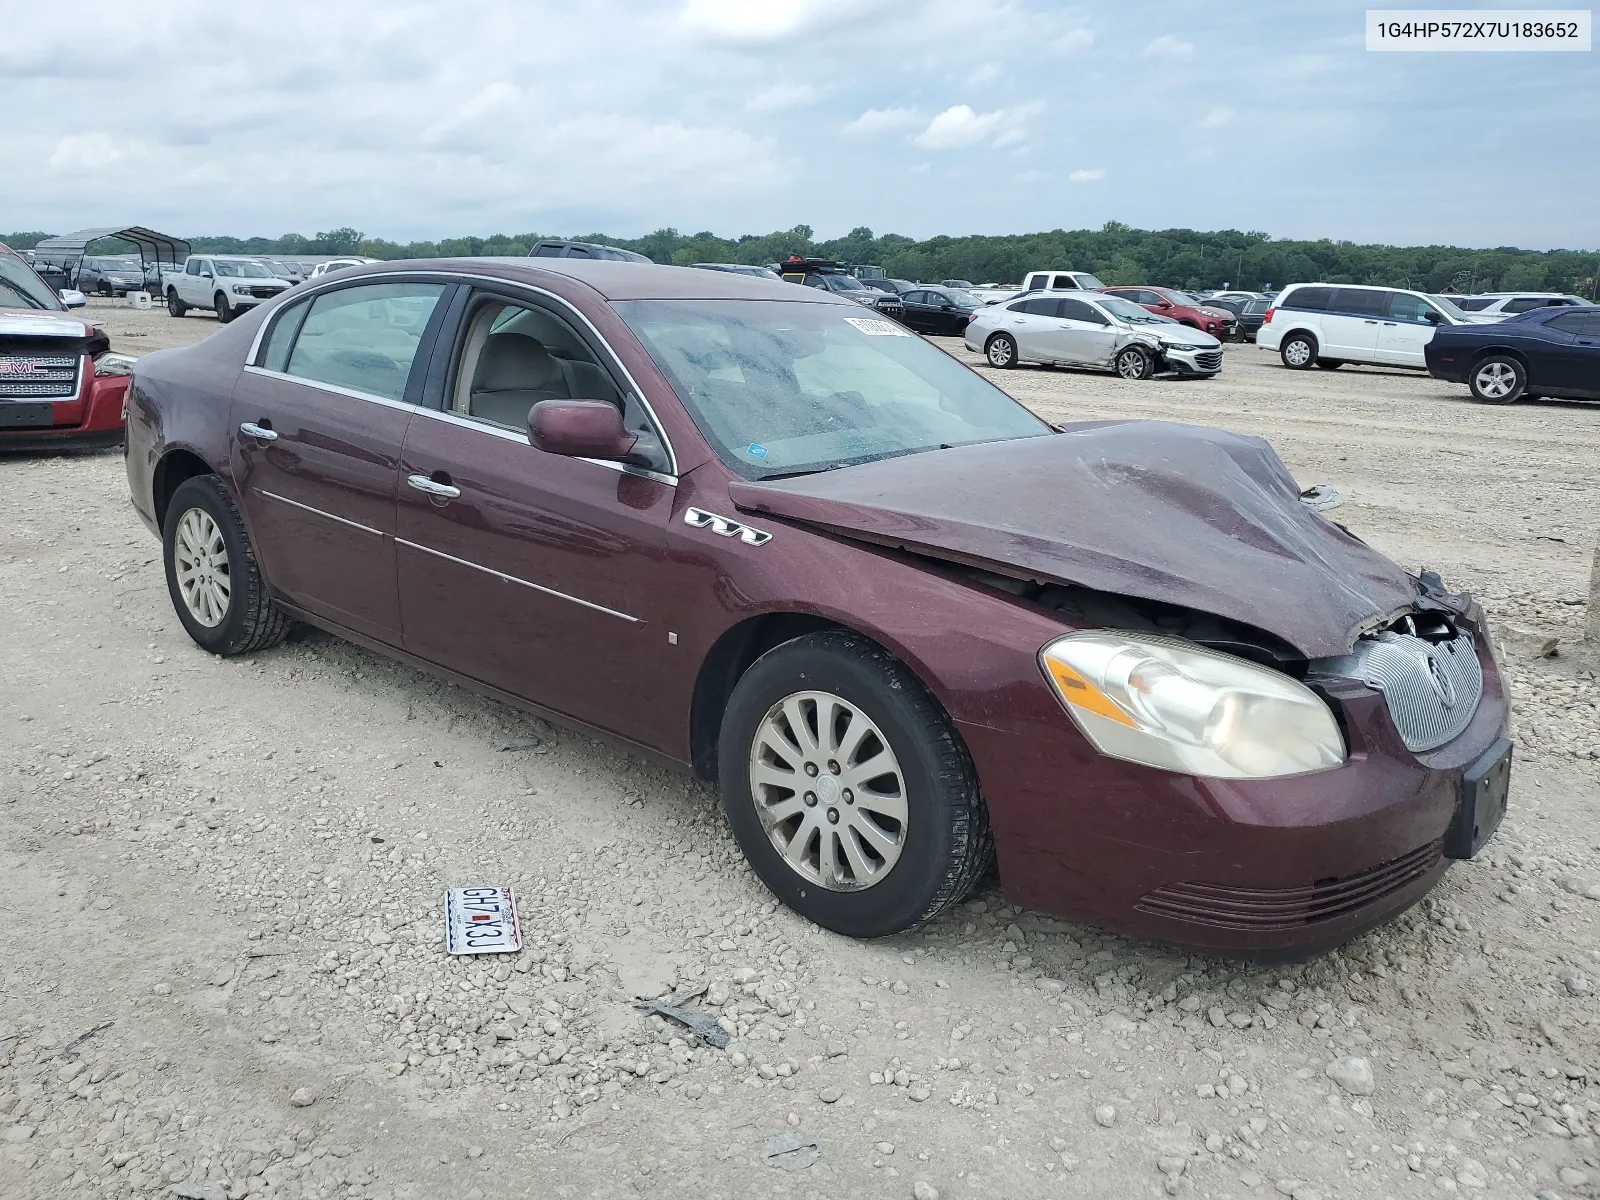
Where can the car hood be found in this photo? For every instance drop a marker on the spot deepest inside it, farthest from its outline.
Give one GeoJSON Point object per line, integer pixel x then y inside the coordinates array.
{"type": "Point", "coordinates": [1178, 514]}
{"type": "Point", "coordinates": [1182, 336]}
{"type": "Point", "coordinates": [39, 322]}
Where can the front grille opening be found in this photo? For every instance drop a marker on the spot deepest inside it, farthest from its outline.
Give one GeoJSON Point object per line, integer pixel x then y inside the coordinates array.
{"type": "Point", "coordinates": [1266, 910]}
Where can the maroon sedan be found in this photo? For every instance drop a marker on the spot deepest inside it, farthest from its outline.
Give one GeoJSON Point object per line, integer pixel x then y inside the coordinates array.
{"type": "Point", "coordinates": [60, 383]}
{"type": "Point", "coordinates": [760, 534]}
{"type": "Point", "coordinates": [1181, 307]}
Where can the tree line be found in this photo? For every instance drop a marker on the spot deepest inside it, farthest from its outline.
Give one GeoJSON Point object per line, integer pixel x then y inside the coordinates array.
{"type": "Point", "coordinates": [1117, 253]}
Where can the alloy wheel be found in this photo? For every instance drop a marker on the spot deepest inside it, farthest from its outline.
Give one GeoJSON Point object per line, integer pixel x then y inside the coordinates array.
{"type": "Point", "coordinates": [201, 559]}
{"type": "Point", "coordinates": [829, 791]}
{"type": "Point", "coordinates": [1297, 353]}
{"type": "Point", "coordinates": [1000, 352]}
{"type": "Point", "coordinates": [1496, 380]}
{"type": "Point", "coordinates": [1131, 364]}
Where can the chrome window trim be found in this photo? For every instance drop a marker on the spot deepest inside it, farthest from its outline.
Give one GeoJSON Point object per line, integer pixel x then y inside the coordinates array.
{"type": "Point", "coordinates": [538, 587]}
{"type": "Point", "coordinates": [319, 512]}
{"type": "Point", "coordinates": [353, 393]}
{"type": "Point", "coordinates": [303, 290]}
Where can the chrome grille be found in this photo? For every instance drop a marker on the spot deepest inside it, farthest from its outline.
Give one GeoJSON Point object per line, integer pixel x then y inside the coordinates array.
{"type": "Point", "coordinates": [1432, 688]}
{"type": "Point", "coordinates": [1209, 360]}
{"type": "Point", "coordinates": [38, 375]}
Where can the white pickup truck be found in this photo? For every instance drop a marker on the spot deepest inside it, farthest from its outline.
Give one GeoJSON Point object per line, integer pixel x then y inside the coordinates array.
{"type": "Point", "coordinates": [1042, 281]}
{"type": "Point", "coordinates": [227, 284]}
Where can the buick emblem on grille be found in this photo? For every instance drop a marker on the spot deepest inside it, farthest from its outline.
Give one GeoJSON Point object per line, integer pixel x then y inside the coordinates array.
{"type": "Point", "coordinates": [1443, 686]}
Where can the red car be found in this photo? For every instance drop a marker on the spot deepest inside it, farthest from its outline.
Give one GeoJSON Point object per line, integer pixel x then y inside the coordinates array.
{"type": "Point", "coordinates": [60, 385]}
{"type": "Point", "coordinates": [1181, 307]}
{"type": "Point", "coordinates": [760, 534]}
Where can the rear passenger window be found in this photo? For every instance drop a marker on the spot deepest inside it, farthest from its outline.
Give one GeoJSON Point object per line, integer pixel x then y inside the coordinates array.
{"type": "Point", "coordinates": [1581, 324]}
{"type": "Point", "coordinates": [545, 250]}
{"type": "Point", "coordinates": [281, 339]}
{"type": "Point", "coordinates": [1524, 303]}
{"type": "Point", "coordinates": [364, 338]}
{"type": "Point", "coordinates": [1316, 299]}
{"type": "Point", "coordinates": [1077, 310]}
{"type": "Point", "coordinates": [1366, 302]}
{"type": "Point", "coordinates": [1039, 306]}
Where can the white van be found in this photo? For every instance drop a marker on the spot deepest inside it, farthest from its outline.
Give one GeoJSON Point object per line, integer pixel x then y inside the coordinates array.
{"type": "Point", "coordinates": [1329, 324]}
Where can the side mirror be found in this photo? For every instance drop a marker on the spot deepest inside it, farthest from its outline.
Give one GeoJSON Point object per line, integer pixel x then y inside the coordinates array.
{"type": "Point", "coordinates": [1166, 304]}
{"type": "Point", "coordinates": [73, 298]}
{"type": "Point", "coordinates": [1434, 316]}
{"type": "Point", "coordinates": [579, 429]}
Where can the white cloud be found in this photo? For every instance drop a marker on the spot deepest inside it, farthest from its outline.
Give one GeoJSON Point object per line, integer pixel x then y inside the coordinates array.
{"type": "Point", "coordinates": [1217, 118]}
{"type": "Point", "coordinates": [782, 96]}
{"type": "Point", "coordinates": [1087, 175]}
{"type": "Point", "coordinates": [751, 20]}
{"type": "Point", "coordinates": [86, 151]}
{"type": "Point", "coordinates": [1168, 45]}
{"type": "Point", "coordinates": [1074, 41]}
{"type": "Point", "coordinates": [959, 126]}
{"type": "Point", "coordinates": [883, 120]}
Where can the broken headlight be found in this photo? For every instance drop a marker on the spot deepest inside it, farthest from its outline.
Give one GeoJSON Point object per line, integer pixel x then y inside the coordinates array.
{"type": "Point", "coordinates": [1174, 705]}
{"type": "Point", "coordinates": [114, 364]}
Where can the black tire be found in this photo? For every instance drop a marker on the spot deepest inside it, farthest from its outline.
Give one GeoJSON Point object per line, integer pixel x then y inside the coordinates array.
{"type": "Point", "coordinates": [223, 309]}
{"type": "Point", "coordinates": [947, 843]}
{"type": "Point", "coordinates": [251, 620]}
{"type": "Point", "coordinates": [1497, 379]}
{"type": "Point", "coordinates": [1001, 351]}
{"type": "Point", "coordinates": [1134, 362]}
{"type": "Point", "coordinates": [1298, 352]}
{"type": "Point", "coordinates": [175, 307]}
{"type": "Point", "coordinates": [1330, 364]}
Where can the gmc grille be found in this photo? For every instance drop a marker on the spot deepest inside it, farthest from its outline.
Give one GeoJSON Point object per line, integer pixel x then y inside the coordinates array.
{"type": "Point", "coordinates": [38, 376]}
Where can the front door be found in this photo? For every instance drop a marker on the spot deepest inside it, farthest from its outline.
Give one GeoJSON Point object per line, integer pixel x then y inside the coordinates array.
{"type": "Point", "coordinates": [1570, 358]}
{"type": "Point", "coordinates": [317, 427]}
{"type": "Point", "coordinates": [1405, 331]}
{"type": "Point", "coordinates": [525, 570]}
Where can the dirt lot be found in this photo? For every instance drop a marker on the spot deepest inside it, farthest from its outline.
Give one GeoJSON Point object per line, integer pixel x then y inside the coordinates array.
{"type": "Point", "coordinates": [221, 881]}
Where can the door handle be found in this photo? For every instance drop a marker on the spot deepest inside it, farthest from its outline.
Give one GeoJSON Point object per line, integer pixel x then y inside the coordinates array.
{"type": "Point", "coordinates": [1390, 323]}
{"type": "Point", "coordinates": [433, 487]}
{"type": "Point", "coordinates": [264, 433]}
{"type": "Point", "coordinates": [1374, 322]}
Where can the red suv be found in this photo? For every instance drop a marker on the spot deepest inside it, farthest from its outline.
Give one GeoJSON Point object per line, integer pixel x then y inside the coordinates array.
{"type": "Point", "coordinates": [60, 383]}
{"type": "Point", "coordinates": [1181, 307]}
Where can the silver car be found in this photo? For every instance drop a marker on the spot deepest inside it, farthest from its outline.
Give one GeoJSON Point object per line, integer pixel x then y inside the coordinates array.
{"type": "Point", "coordinates": [1087, 329]}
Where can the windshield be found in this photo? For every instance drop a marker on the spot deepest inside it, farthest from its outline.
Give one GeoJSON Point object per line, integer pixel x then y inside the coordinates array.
{"type": "Point", "coordinates": [785, 387]}
{"type": "Point", "coordinates": [21, 288]}
{"type": "Point", "coordinates": [962, 299]}
{"type": "Point", "coordinates": [1450, 310]}
{"type": "Point", "coordinates": [244, 270]}
{"type": "Point", "coordinates": [1127, 310]}
{"type": "Point", "coordinates": [844, 283]}
{"type": "Point", "coordinates": [1178, 297]}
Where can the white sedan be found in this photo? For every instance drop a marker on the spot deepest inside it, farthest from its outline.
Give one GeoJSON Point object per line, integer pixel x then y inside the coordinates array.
{"type": "Point", "coordinates": [1087, 329]}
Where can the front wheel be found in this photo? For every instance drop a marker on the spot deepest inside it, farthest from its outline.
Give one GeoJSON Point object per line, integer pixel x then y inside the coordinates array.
{"type": "Point", "coordinates": [1298, 352]}
{"type": "Point", "coordinates": [847, 788]}
{"type": "Point", "coordinates": [1001, 351]}
{"type": "Point", "coordinates": [224, 309]}
{"type": "Point", "coordinates": [212, 575]}
{"type": "Point", "coordinates": [175, 307]}
{"type": "Point", "coordinates": [1135, 362]}
{"type": "Point", "coordinates": [1498, 379]}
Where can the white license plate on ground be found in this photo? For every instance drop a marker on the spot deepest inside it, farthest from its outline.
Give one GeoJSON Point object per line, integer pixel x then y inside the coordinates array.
{"type": "Point", "coordinates": [481, 920]}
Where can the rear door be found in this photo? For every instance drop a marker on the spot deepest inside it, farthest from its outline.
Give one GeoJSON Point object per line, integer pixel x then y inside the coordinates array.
{"type": "Point", "coordinates": [318, 422]}
{"type": "Point", "coordinates": [917, 315]}
{"type": "Point", "coordinates": [1085, 336]}
{"type": "Point", "coordinates": [1350, 326]}
{"type": "Point", "coordinates": [1033, 323]}
{"type": "Point", "coordinates": [1405, 330]}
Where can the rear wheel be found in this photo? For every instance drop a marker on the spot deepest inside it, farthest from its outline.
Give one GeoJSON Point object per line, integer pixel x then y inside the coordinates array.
{"type": "Point", "coordinates": [175, 307]}
{"type": "Point", "coordinates": [212, 575]}
{"type": "Point", "coordinates": [847, 788]}
{"type": "Point", "coordinates": [1298, 352]}
{"type": "Point", "coordinates": [1498, 379]}
{"type": "Point", "coordinates": [224, 309]}
{"type": "Point", "coordinates": [1001, 351]}
{"type": "Point", "coordinates": [1135, 362]}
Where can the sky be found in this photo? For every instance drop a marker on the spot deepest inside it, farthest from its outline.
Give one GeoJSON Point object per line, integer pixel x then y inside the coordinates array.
{"type": "Point", "coordinates": [922, 117]}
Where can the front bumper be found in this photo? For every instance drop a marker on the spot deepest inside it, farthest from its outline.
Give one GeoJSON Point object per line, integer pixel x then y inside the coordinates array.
{"type": "Point", "coordinates": [92, 418]}
{"type": "Point", "coordinates": [1278, 868]}
{"type": "Point", "coordinates": [1193, 362]}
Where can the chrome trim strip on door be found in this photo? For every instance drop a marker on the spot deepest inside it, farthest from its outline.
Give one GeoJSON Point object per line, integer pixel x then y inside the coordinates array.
{"type": "Point", "coordinates": [318, 512]}
{"type": "Point", "coordinates": [610, 612]}
{"type": "Point", "coordinates": [567, 305]}
{"type": "Point", "coordinates": [353, 393]}
{"type": "Point", "coordinates": [511, 435]}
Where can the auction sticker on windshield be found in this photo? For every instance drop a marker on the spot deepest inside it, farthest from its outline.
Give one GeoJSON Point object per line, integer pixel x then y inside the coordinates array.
{"type": "Point", "coordinates": [877, 328]}
{"type": "Point", "coordinates": [481, 920]}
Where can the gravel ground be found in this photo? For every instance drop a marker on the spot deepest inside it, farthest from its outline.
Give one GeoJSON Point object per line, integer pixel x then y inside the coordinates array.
{"type": "Point", "coordinates": [222, 882]}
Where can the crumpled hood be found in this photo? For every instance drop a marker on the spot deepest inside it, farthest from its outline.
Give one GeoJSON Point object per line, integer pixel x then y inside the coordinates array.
{"type": "Point", "coordinates": [1179, 514]}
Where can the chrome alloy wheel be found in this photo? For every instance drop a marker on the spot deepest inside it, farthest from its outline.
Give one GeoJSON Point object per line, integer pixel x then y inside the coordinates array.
{"type": "Point", "coordinates": [1131, 363]}
{"type": "Point", "coordinates": [1297, 352]}
{"type": "Point", "coordinates": [1496, 380]}
{"type": "Point", "coordinates": [829, 791]}
{"type": "Point", "coordinates": [200, 557]}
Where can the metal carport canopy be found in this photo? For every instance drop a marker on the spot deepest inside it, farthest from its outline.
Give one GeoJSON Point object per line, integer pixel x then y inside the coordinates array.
{"type": "Point", "coordinates": [153, 247]}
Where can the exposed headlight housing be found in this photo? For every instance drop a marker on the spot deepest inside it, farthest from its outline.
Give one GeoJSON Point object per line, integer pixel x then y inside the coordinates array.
{"type": "Point", "coordinates": [114, 364]}
{"type": "Point", "coordinates": [1171, 704]}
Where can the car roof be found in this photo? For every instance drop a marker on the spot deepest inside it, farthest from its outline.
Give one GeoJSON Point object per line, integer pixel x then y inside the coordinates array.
{"type": "Point", "coordinates": [614, 279]}
{"type": "Point", "coordinates": [1551, 311]}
